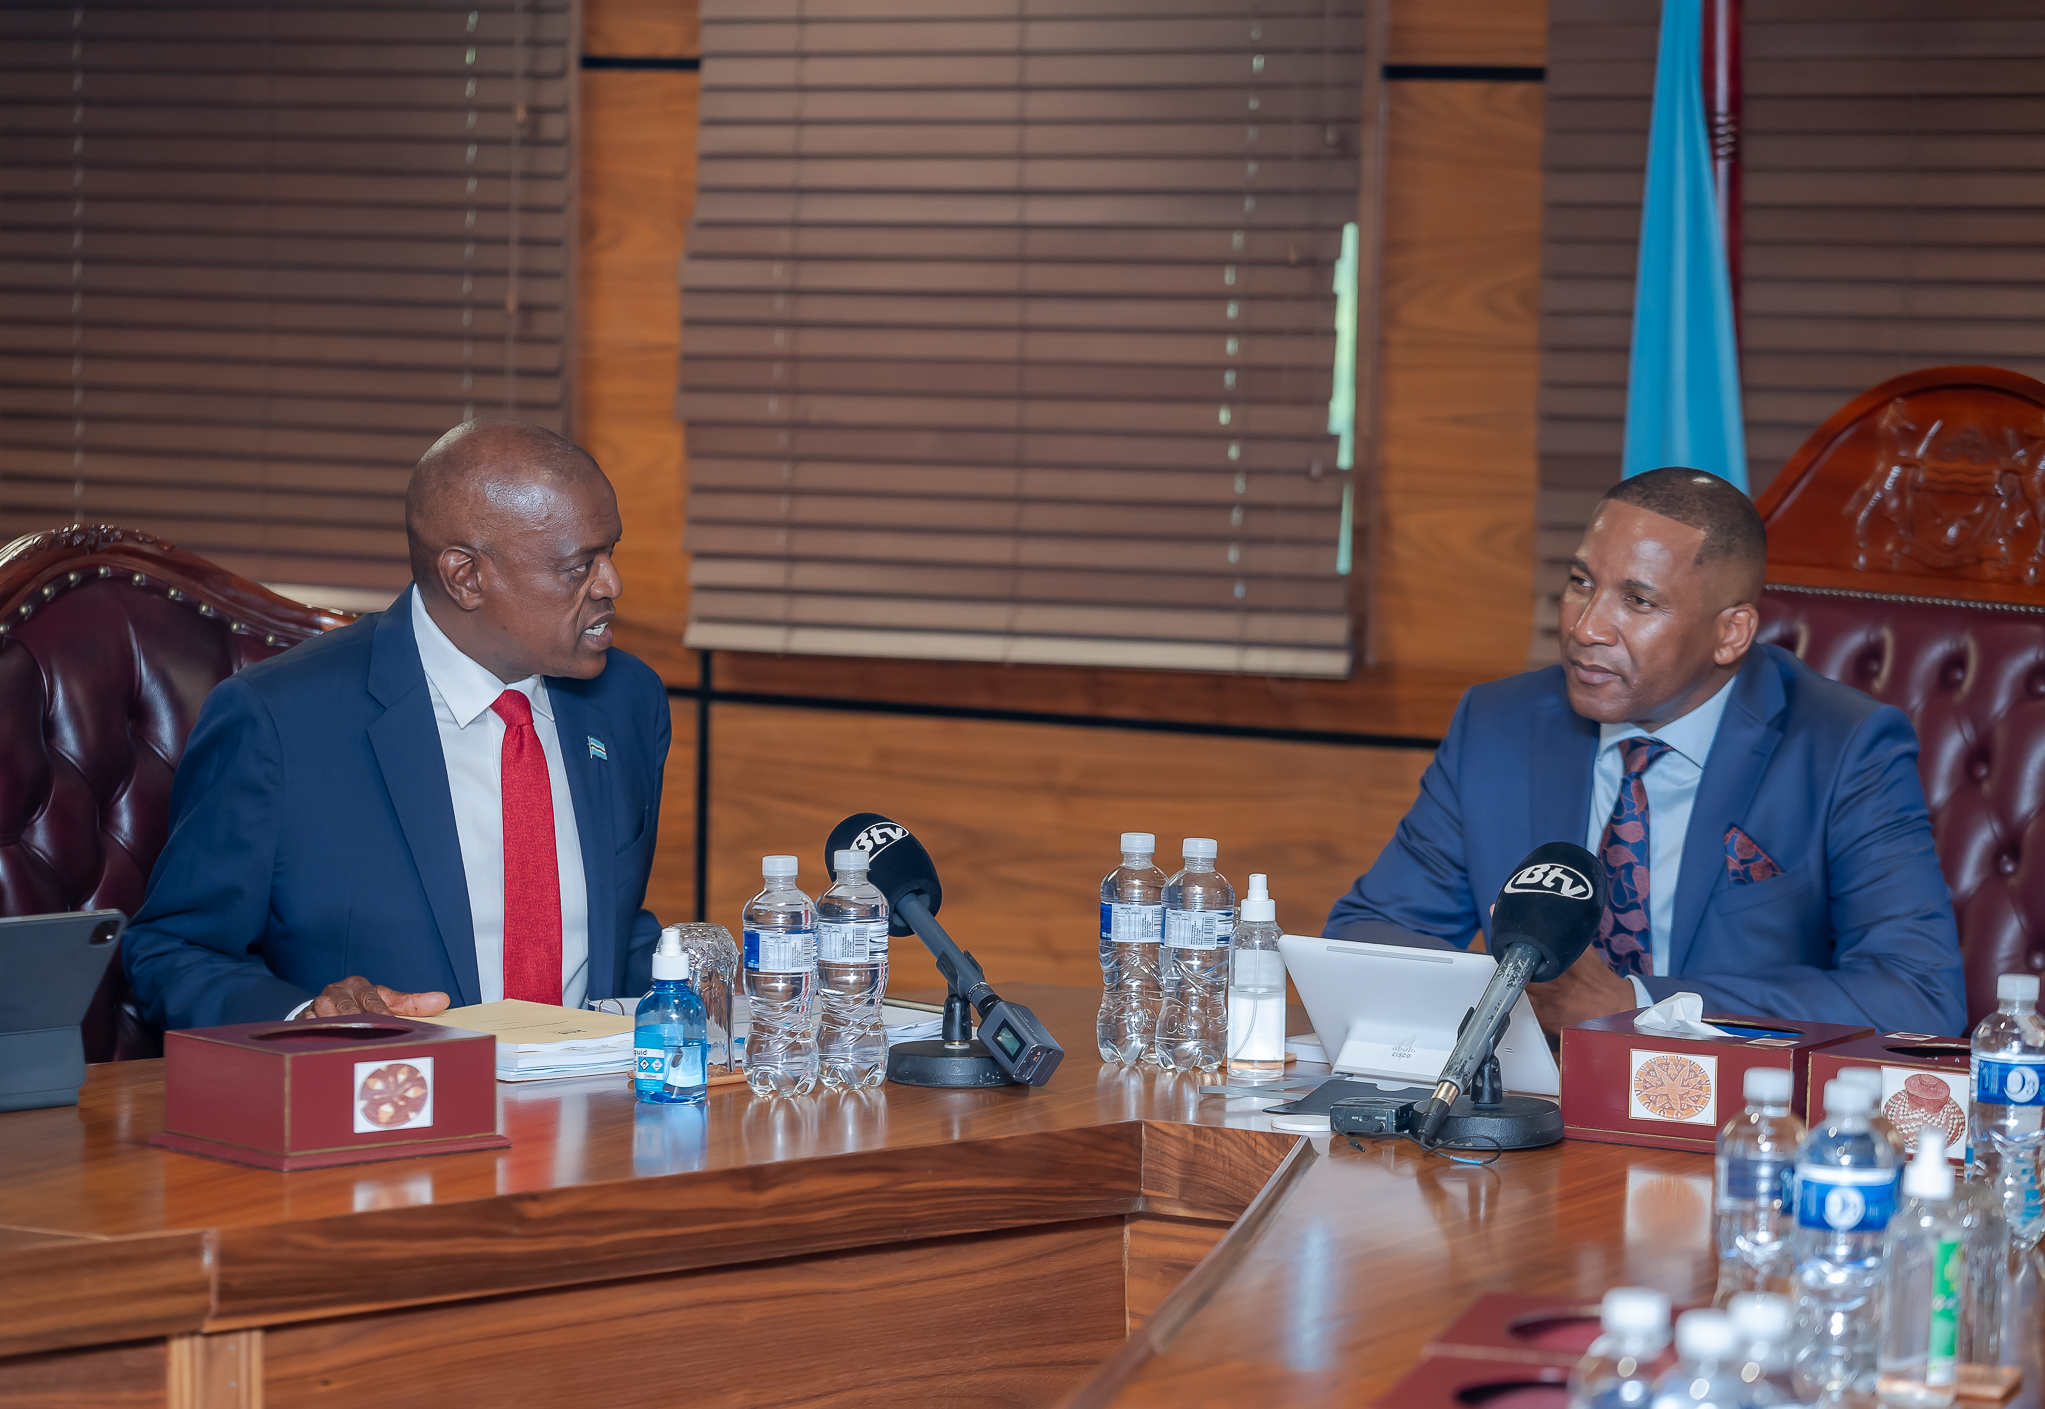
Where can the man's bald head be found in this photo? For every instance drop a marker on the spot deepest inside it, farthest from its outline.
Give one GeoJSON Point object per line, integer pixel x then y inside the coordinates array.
{"type": "Point", "coordinates": [467, 479]}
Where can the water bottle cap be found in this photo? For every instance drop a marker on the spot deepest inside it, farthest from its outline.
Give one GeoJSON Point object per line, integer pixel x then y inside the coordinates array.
{"type": "Point", "coordinates": [1638, 1309]}
{"type": "Point", "coordinates": [778, 866]}
{"type": "Point", "coordinates": [1863, 1076]}
{"type": "Point", "coordinates": [1847, 1098]}
{"type": "Point", "coordinates": [1928, 1175]}
{"type": "Point", "coordinates": [1762, 1315]}
{"type": "Point", "coordinates": [2022, 987]}
{"type": "Point", "coordinates": [1771, 1086]}
{"type": "Point", "coordinates": [669, 962]}
{"type": "Point", "coordinates": [1705, 1335]}
{"type": "Point", "coordinates": [852, 860]}
{"type": "Point", "coordinates": [1140, 843]}
{"type": "Point", "coordinates": [1204, 846]}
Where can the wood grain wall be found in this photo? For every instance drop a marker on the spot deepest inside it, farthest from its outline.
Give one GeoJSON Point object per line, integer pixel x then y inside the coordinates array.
{"type": "Point", "coordinates": [1022, 813]}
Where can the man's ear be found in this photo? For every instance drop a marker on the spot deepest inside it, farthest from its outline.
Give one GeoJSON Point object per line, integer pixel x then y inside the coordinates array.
{"type": "Point", "coordinates": [461, 576]}
{"type": "Point", "coordinates": [1736, 627]}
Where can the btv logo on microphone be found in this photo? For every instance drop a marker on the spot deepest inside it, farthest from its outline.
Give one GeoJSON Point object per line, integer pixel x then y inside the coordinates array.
{"type": "Point", "coordinates": [878, 836]}
{"type": "Point", "coordinates": [1550, 878]}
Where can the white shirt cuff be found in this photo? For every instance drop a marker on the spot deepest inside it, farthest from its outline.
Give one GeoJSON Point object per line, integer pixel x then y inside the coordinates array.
{"type": "Point", "coordinates": [293, 1015]}
{"type": "Point", "coordinates": [1639, 991]}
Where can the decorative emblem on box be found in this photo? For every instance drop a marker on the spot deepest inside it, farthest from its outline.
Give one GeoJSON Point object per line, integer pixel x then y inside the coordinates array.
{"type": "Point", "coordinates": [393, 1095]}
{"type": "Point", "coordinates": [1924, 1100]}
{"type": "Point", "coordinates": [1673, 1086]}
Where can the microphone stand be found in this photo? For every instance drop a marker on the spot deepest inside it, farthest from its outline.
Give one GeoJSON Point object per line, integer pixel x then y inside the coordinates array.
{"type": "Point", "coordinates": [956, 1058]}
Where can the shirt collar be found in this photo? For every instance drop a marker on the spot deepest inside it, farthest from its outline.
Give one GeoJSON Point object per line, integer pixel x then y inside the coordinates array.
{"type": "Point", "coordinates": [468, 688]}
{"type": "Point", "coordinates": [1690, 736]}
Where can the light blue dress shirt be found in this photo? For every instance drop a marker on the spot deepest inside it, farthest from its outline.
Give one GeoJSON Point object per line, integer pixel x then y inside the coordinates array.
{"type": "Point", "coordinates": [1671, 791]}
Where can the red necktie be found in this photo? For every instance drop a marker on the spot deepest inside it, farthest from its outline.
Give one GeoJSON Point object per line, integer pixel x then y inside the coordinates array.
{"type": "Point", "coordinates": [532, 875]}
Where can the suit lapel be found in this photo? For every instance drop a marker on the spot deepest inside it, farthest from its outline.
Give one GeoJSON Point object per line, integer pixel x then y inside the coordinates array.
{"type": "Point", "coordinates": [577, 722]}
{"type": "Point", "coordinates": [1565, 746]}
{"type": "Point", "coordinates": [407, 744]}
{"type": "Point", "coordinates": [1747, 736]}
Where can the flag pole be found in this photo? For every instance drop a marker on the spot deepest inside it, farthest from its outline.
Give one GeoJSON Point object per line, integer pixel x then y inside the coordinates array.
{"type": "Point", "coordinates": [1722, 103]}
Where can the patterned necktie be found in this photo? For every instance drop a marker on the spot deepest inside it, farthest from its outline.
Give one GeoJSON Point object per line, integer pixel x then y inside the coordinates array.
{"type": "Point", "coordinates": [532, 875]}
{"type": "Point", "coordinates": [1623, 934]}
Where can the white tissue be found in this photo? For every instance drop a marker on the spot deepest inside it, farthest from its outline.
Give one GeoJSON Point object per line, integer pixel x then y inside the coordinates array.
{"type": "Point", "coordinates": [1677, 1015]}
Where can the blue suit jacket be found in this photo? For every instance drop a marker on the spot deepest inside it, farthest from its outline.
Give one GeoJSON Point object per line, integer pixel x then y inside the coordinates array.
{"type": "Point", "coordinates": [312, 834]}
{"type": "Point", "coordinates": [1857, 929]}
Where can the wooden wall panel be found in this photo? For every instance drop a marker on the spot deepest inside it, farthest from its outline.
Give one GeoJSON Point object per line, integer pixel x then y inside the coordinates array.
{"type": "Point", "coordinates": [105, 1377]}
{"type": "Point", "coordinates": [1022, 819]}
{"type": "Point", "coordinates": [640, 29]}
{"type": "Point", "coordinates": [671, 890]}
{"type": "Point", "coordinates": [1457, 473]}
{"type": "Point", "coordinates": [1513, 32]}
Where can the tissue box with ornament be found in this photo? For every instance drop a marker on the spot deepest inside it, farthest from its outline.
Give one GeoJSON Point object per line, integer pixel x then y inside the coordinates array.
{"type": "Point", "coordinates": [1669, 1076]}
{"type": "Point", "coordinates": [1924, 1083]}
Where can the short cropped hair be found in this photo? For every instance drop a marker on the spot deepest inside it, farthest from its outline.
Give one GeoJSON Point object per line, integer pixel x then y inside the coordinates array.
{"type": "Point", "coordinates": [1731, 525]}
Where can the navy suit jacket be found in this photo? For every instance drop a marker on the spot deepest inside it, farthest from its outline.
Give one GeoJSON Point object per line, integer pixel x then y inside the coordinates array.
{"type": "Point", "coordinates": [1858, 927]}
{"type": "Point", "coordinates": [312, 834]}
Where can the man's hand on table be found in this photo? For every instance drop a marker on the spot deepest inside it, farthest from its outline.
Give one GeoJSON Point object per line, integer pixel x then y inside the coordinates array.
{"type": "Point", "coordinates": [356, 994]}
{"type": "Point", "coordinates": [1587, 989]}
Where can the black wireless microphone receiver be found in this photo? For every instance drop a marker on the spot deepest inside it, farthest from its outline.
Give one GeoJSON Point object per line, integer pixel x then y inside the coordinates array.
{"type": "Point", "coordinates": [1013, 1046]}
{"type": "Point", "coordinates": [1544, 919]}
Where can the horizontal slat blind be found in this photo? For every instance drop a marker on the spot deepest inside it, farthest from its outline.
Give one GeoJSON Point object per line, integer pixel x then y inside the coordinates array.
{"type": "Point", "coordinates": [1010, 329]}
{"type": "Point", "coordinates": [255, 257]}
{"type": "Point", "coordinates": [1894, 211]}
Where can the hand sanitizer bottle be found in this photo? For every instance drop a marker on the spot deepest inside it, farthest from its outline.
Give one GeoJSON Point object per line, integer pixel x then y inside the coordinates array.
{"type": "Point", "coordinates": [670, 1039]}
{"type": "Point", "coordinates": [1256, 991]}
{"type": "Point", "coordinates": [1925, 1280]}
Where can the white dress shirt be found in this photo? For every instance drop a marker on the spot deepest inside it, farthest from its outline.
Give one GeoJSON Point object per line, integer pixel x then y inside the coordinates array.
{"type": "Point", "coordinates": [1671, 784]}
{"type": "Point", "coordinates": [472, 743]}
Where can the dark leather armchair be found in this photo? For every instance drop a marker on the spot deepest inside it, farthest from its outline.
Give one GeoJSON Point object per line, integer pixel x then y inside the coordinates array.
{"type": "Point", "coordinates": [1907, 558]}
{"type": "Point", "coordinates": [109, 643]}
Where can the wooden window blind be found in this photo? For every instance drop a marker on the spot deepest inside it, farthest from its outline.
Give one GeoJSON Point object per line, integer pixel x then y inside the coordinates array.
{"type": "Point", "coordinates": [255, 257]}
{"type": "Point", "coordinates": [1893, 214]}
{"type": "Point", "coordinates": [1010, 329]}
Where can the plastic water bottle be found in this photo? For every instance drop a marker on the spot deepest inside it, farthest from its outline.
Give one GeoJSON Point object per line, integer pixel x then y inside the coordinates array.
{"type": "Point", "coordinates": [1706, 1374]}
{"type": "Point", "coordinates": [1132, 924]}
{"type": "Point", "coordinates": [1871, 1078]}
{"type": "Point", "coordinates": [781, 980]}
{"type": "Point", "coordinates": [1200, 912]}
{"type": "Point", "coordinates": [2007, 1119]}
{"type": "Point", "coordinates": [670, 1035]}
{"type": "Point", "coordinates": [1845, 1193]}
{"type": "Point", "coordinates": [852, 974]}
{"type": "Point", "coordinates": [1924, 1284]}
{"type": "Point", "coordinates": [1256, 991]}
{"type": "Point", "coordinates": [1763, 1320]}
{"type": "Point", "coordinates": [1618, 1370]}
{"type": "Point", "coordinates": [1756, 1160]}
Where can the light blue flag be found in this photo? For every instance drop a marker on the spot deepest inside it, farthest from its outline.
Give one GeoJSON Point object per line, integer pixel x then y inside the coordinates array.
{"type": "Point", "coordinates": [1683, 383]}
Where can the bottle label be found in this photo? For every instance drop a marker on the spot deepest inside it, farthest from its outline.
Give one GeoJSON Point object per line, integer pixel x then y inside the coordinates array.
{"type": "Point", "coordinates": [1744, 1179]}
{"type": "Point", "coordinates": [780, 951]}
{"type": "Point", "coordinates": [685, 1067]}
{"type": "Point", "coordinates": [652, 1066]}
{"type": "Point", "coordinates": [2012, 1079]}
{"type": "Point", "coordinates": [852, 941]}
{"type": "Point", "coordinates": [1198, 929]}
{"type": "Point", "coordinates": [1133, 924]}
{"type": "Point", "coordinates": [1948, 1275]}
{"type": "Point", "coordinates": [1844, 1200]}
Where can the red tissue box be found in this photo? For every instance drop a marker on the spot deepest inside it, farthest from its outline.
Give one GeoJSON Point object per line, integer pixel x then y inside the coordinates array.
{"type": "Point", "coordinates": [304, 1095]}
{"type": "Point", "coordinates": [1924, 1082]}
{"type": "Point", "coordinates": [1622, 1086]}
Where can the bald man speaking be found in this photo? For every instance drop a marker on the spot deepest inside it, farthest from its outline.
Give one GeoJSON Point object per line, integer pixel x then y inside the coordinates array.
{"type": "Point", "coordinates": [451, 801]}
{"type": "Point", "coordinates": [1762, 829]}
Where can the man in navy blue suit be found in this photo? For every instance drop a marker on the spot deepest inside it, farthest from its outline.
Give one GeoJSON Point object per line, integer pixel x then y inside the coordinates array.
{"type": "Point", "coordinates": [453, 800]}
{"type": "Point", "coordinates": [1763, 829]}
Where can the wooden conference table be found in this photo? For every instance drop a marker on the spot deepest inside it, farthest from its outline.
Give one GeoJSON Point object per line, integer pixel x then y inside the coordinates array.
{"type": "Point", "coordinates": [1113, 1238]}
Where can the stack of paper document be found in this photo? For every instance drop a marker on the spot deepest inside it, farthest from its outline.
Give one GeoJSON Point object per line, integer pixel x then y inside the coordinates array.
{"type": "Point", "coordinates": [907, 1024]}
{"type": "Point", "coordinates": [540, 1042]}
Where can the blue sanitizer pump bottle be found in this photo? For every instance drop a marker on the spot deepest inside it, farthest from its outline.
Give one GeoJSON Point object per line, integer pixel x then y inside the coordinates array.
{"type": "Point", "coordinates": [670, 1041]}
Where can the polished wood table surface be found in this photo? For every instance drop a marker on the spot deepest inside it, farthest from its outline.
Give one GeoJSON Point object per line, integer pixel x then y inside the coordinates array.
{"type": "Point", "coordinates": [899, 1246]}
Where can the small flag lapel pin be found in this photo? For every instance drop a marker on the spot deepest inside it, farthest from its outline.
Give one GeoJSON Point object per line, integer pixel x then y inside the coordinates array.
{"type": "Point", "coordinates": [596, 748]}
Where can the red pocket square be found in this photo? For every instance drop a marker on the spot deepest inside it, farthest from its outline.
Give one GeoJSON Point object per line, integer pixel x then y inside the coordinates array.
{"type": "Point", "coordinates": [1745, 861]}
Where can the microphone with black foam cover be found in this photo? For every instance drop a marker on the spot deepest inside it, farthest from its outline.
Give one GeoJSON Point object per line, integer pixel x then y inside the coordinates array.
{"type": "Point", "coordinates": [1546, 914]}
{"type": "Point", "coordinates": [897, 864]}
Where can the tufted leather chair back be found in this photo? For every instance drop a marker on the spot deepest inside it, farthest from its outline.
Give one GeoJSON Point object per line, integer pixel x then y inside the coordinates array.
{"type": "Point", "coordinates": [1971, 676]}
{"type": "Point", "coordinates": [110, 641]}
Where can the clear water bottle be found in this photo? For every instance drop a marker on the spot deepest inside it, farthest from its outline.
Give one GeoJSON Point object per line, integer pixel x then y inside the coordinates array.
{"type": "Point", "coordinates": [1845, 1193]}
{"type": "Point", "coordinates": [1871, 1078]}
{"type": "Point", "coordinates": [1763, 1320]}
{"type": "Point", "coordinates": [1991, 1272]}
{"type": "Point", "coordinates": [2007, 1119]}
{"type": "Point", "coordinates": [1706, 1374]}
{"type": "Point", "coordinates": [1618, 1370]}
{"type": "Point", "coordinates": [852, 974]}
{"type": "Point", "coordinates": [670, 1036]}
{"type": "Point", "coordinates": [1924, 1282]}
{"type": "Point", "coordinates": [1756, 1160]}
{"type": "Point", "coordinates": [1200, 912]}
{"type": "Point", "coordinates": [1256, 991]}
{"type": "Point", "coordinates": [781, 981]}
{"type": "Point", "coordinates": [1132, 924]}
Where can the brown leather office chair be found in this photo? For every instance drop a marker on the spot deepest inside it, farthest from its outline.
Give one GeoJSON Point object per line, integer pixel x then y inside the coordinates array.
{"type": "Point", "coordinates": [110, 641]}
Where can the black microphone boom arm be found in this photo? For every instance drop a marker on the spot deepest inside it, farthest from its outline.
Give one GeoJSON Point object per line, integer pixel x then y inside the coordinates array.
{"type": "Point", "coordinates": [960, 969]}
